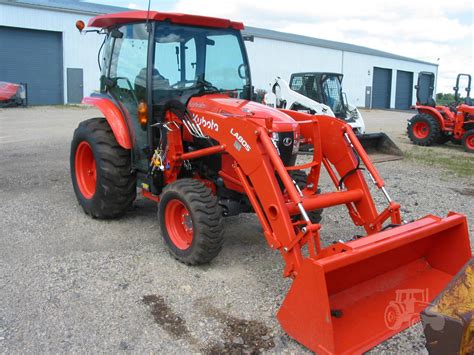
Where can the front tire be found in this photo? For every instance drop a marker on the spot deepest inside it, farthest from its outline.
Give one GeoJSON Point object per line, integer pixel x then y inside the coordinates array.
{"type": "Point", "coordinates": [191, 222]}
{"type": "Point", "coordinates": [101, 170]}
{"type": "Point", "coordinates": [468, 141]}
{"type": "Point", "coordinates": [424, 130]}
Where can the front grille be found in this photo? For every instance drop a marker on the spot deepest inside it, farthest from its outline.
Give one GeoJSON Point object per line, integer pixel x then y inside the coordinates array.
{"type": "Point", "coordinates": [285, 147]}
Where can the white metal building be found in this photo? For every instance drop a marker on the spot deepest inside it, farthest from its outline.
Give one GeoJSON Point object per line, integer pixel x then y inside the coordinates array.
{"type": "Point", "coordinates": [40, 45]}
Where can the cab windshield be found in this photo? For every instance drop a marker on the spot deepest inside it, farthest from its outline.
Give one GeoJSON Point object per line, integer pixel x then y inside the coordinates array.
{"type": "Point", "coordinates": [205, 60]}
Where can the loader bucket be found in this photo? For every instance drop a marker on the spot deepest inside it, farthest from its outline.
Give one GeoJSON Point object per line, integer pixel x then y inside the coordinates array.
{"type": "Point", "coordinates": [345, 302]}
{"type": "Point", "coordinates": [380, 147]}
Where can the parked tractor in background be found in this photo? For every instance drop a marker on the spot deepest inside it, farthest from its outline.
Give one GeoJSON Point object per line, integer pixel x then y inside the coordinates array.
{"type": "Point", "coordinates": [321, 94]}
{"type": "Point", "coordinates": [179, 126]}
{"type": "Point", "coordinates": [12, 95]}
{"type": "Point", "coordinates": [435, 124]}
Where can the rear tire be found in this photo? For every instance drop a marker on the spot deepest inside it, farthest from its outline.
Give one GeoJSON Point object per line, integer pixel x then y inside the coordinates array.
{"type": "Point", "coordinates": [300, 178]}
{"type": "Point", "coordinates": [423, 129]}
{"type": "Point", "coordinates": [468, 141]}
{"type": "Point", "coordinates": [101, 170]}
{"type": "Point", "coordinates": [393, 316]}
{"type": "Point", "coordinates": [191, 222]}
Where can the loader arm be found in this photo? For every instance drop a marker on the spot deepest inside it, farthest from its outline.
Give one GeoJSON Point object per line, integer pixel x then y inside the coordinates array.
{"type": "Point", "coordinates": [256, 164]}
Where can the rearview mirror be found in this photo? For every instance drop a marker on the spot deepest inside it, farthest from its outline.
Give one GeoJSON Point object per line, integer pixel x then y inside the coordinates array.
{"type": "Point", "coordinates": [242, 70]}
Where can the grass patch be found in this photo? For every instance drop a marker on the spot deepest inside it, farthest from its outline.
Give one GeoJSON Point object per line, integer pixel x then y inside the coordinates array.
{"type": "Point", "coordinates": [461, 165]}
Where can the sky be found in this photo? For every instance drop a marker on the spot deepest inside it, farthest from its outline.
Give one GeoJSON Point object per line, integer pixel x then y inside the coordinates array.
{"type": "Point", "coordinates": [436, 31]}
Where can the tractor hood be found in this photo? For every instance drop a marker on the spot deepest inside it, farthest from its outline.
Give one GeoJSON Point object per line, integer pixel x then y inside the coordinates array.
{"type": "Point", "coordinates": [227, 106]}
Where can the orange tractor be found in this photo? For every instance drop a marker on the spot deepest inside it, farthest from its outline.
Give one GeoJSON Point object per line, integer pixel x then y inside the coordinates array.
{"type": "Point", "coordinates": [436, 124]}
{"type": "Point", "coordinates": [179, 126]}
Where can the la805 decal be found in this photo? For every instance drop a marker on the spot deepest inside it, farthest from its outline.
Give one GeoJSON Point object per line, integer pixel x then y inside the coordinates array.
{"type": "Point", "coordinates": [240, 141]}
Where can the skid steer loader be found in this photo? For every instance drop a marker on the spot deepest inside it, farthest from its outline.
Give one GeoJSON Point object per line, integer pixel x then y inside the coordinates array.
{"type": "Point", "coordinates": [178, 124]}
{"type": "Point", "coordinates": [321, 94]}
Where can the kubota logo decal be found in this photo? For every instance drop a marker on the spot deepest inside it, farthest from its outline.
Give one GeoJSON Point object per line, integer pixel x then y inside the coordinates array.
{"type": "Point", "coordinates": [206, 123]}
{"type": "Point", "coordinates": [240, 141]}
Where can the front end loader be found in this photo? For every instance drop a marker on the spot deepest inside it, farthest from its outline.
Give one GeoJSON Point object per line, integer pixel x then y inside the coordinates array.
{"type": "Point", "coordinates": [179, 126]}
{"type": "Point", "coordinates": [320, 93]}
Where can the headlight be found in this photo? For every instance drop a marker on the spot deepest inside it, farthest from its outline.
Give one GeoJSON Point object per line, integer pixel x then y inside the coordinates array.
{"type": "Point", "coordinates": [275, 141]}
{"type": "Point", "coordinates": [296, 145]}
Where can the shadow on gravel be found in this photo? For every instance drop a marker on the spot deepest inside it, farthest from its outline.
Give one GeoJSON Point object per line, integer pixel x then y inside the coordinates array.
{"type": "Point", "coordinates": [467, 191]}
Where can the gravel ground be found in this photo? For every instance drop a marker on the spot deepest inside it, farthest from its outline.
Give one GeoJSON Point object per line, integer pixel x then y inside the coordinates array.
{"type": "Point", "coordinates": [71, 283]}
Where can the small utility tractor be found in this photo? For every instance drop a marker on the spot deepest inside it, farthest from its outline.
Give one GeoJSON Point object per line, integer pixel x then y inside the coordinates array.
{"type": "Point", "coordinates": [436, 124]}
{"type": "Point", "coordinates": [320, 93]}
{"type": "Point", "coordinates": [179, 126]}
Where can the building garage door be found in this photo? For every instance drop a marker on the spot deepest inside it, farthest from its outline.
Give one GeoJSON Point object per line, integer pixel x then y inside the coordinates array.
{"type": "Point", "coordinates": [381, 88]}
{"type": "Point", "coordinates": [403, 95]}
{"type": "Point", "coordinates": [33, 57]}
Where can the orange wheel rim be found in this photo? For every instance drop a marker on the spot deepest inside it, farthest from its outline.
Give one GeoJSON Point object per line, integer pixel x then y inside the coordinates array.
{"type": "Point", "coordinates": [179, 224]}
{"type": "Point", "coordinates": [86, 171]}
{"type": "Point", "coordinates": [421, 130]}
{"type": "Point", "coordinates": [470, 142]}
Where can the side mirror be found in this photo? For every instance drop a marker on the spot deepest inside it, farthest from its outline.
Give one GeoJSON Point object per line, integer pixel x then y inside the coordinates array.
{"type": "Point", "coordinates": [116, 33]}
{"type": "Point", "coordinates": [248, 38]}
{"type": "Point", "coordinates": [242, 70]}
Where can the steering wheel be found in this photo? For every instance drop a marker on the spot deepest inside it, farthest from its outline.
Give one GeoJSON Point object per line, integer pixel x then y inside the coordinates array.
{"type": "Point", "coordinates": [207, 84]}
{"type": "Point", "coordinates": [181, 83]}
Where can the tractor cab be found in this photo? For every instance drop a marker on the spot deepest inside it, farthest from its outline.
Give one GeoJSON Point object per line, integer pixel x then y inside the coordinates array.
{"type": "Point", "coordinates": [146, 64]}
{"type": "Point", "coordinates": [325, 88]}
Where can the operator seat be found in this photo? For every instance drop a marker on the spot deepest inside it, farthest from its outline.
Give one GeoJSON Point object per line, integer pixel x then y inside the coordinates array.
{"type": "Point", "coordinates": [430, 102]}
{"type": "Point", "coordinates": [158, 82]}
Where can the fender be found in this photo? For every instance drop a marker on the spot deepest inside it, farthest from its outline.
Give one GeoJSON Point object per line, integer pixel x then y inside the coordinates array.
{"type": "Point", "coordinates": [432, 112]}
{"type": "Point", "coordinates": [114, 118]}
{"type": "Point", "coordinates": [466, 108]}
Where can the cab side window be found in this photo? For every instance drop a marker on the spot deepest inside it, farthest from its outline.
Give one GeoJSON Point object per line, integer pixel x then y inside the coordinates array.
{"type": "Point", "coordinates": [129, 57]}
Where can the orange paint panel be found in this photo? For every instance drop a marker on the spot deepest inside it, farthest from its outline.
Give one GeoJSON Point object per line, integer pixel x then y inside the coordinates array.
{"type": "Point", "coordinates": [114, 118]}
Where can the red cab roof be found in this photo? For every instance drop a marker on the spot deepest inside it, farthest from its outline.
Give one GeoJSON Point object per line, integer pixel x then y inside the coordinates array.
{"type": "Point", "coordinates": [182, 19]}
